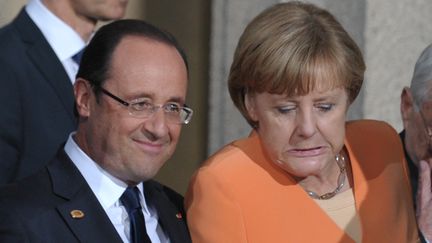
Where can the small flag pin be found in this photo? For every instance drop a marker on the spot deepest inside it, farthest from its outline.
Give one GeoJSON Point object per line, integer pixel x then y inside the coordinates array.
{"type": "Point", "coordinates": [77, 214]}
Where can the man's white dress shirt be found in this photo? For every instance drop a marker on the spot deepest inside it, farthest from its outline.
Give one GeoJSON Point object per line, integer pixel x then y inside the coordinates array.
{"type": "Point", "coordinates": [108, 190]}
{"type": "Point", "coordinates": [62, 38]}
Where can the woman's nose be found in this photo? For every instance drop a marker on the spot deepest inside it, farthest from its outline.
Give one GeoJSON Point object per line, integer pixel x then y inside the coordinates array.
{"type": "Point", "coordinates": [306, 123]}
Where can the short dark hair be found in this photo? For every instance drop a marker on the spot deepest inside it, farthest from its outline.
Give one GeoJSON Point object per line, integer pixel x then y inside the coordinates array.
{"type": "Point", "coordinates": [96, 59]}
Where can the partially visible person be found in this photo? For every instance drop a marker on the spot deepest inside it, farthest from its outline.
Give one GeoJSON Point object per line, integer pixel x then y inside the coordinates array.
{"type": "Point", "coordinates": [304, 174]}
{"type": "Point", "coordinates": [39, 51]}
{"type": "Point", "coordinates": [416, 111]}
{"type": "Point", "coordinates": [99, 187]}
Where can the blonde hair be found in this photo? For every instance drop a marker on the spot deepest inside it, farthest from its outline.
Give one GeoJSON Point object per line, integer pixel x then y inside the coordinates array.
{"type": "Point", "coordinates": [293, 48]}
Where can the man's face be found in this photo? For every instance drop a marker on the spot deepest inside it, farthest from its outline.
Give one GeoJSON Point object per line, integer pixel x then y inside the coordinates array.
{"type": "Point", "coordinates": [130, 148]}
{"type": "Point", "coordinates": [100, 9]}
{"type": "Point", "coordinates": [416, 123]}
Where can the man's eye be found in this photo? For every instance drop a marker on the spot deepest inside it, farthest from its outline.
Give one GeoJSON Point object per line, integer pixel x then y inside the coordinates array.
{"type": "Point", "coordinates": [172, 107]}
{"type": "Point", "coordinates": [141, 105]}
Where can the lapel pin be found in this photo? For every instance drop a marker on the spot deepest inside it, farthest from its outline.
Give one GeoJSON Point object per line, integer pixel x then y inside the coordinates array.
{"type": "Point", "coordinates": [179, 215]}
{"type": "Point", "coordinates": [77, 214]}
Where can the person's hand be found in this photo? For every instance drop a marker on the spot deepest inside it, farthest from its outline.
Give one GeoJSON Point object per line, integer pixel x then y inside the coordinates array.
{"type": "Point", "coordinates": [424, 200]}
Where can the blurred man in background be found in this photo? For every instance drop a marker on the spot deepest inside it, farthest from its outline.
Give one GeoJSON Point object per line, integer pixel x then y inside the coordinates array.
{"type": "Point", "coordinates": [40, 52]}
{"type": "Point", "coordinates": [416, 111]}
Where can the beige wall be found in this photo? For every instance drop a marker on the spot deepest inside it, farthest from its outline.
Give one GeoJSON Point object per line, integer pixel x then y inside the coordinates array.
{"type": "Point", "coordinates": [397, 31]}
{"type": "Point", "coordinates": [8, 10]}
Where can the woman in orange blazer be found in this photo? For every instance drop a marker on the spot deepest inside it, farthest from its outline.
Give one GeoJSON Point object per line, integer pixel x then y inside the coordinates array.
{"type": "Point", "coordinates": [304, 174]}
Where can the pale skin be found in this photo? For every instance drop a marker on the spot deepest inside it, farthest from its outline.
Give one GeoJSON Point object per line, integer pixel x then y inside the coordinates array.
{"type": "Point", "coordinates": [83, 15]}
{"type": "Point", "coordinates": [302, 134]}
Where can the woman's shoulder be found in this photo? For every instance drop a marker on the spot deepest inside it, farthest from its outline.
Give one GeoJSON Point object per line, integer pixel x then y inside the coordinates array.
{"type": "Point", "coordinates": [240, 157]}
{"type": "Point", "coordinates": [370, 124]}
{"type": "Point", "coordinates": [370, 129]}
{"type": "Point", "coordinates": [230, 155]}
{"type": "Point", "coordinates": [372, 137]}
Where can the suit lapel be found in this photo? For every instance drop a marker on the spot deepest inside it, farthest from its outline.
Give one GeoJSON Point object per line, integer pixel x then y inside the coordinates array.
{"type": "Point", "coordinates": [171, 219]}
{"type": "Point", "coordinates": [45, 60]}
{"type": "Point", "coordinates": [93, 225]}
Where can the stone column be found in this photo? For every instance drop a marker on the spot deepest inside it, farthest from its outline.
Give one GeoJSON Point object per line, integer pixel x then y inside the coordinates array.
{"type": "Point", "coordinates": [396, 33]}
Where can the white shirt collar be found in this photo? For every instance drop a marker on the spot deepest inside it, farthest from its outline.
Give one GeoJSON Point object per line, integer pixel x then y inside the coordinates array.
{"type": "Point", "coordinates": [107, 188]}
{"type": "Point", "coordinates": [61, 37]}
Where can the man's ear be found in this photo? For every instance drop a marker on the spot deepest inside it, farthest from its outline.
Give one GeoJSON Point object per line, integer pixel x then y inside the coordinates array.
{"type": "Point", "coordinates": [251, 106]}
{"type": "Point", "coordinates": [407, 105]}
{"type": "Point", "coordinates": [83, 93]}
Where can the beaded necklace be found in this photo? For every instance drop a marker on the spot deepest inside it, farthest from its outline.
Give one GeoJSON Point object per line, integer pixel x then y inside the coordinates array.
{"type": "Point", "coordinates": [340, 160]}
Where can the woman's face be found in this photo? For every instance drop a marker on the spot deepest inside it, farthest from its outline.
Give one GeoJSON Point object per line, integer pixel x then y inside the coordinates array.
{"type": "Point", "coordinates": [301, 134]}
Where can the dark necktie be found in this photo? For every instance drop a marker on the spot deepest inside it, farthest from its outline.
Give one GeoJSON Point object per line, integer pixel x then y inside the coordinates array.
{"type": "Point", "coordinates": [77, 57]}
{"type": "Point", "coordinates": [131, 201]}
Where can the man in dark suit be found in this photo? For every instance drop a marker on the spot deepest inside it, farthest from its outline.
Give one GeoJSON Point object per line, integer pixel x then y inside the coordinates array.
{"type": "Point", "coordinates": [130, 96]}
{"type": "Point", "coordinates": [36, 76]}
{"type": "Point", "coordinates": [416, 111]}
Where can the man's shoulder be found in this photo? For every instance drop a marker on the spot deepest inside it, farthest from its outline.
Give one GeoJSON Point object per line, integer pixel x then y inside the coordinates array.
{"type": "Point", "coordinates": [11, 30]}
{"type": "Point", "coordinates": [9, 39]}
{"type": "Point", "coordinates": [39, 187]}
{"type": "Point", "coordinates": [153, 187]}
{"type": "Point", "coordinates": [27, 194]}
{"type": "Point", "coordinates": [170, 207]}
{"type": "Point", "coordinates": [16, 37]}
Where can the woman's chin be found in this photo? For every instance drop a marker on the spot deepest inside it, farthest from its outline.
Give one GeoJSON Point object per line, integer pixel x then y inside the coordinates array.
{"type": "Point", "coordinates": [300, 169]}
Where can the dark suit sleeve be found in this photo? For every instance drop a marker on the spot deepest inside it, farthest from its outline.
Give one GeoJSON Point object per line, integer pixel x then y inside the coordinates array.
{"type": "Point", "coordinates": [36, 100]}
{"type": "Point", "coordinates": [176, 198]}
{"type": "Point", "coordinates": [10, 229]}
{"type": "Point", "coordinates": [10, 123]}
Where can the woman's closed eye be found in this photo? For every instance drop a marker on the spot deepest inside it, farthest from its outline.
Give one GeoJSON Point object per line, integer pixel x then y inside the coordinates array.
{"type": "Point", "coordinates": [324, 107]}
{"type": "Point", "coordinates": [286, 109]}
